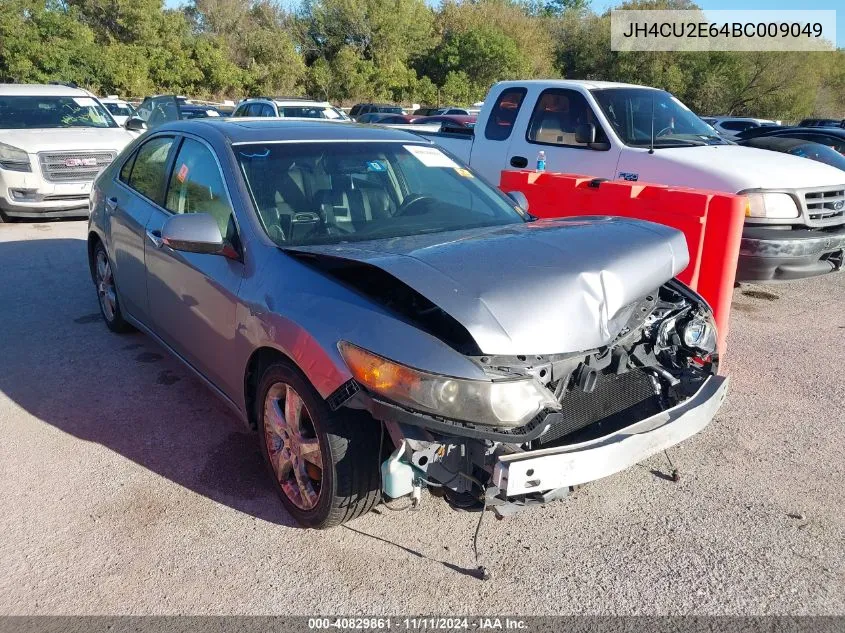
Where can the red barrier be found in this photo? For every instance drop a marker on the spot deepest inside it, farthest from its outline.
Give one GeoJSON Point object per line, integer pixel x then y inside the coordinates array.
{"type": "Point", "coordinates": [711, 222]}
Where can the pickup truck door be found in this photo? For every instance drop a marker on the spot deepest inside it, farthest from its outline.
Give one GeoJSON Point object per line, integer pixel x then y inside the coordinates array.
{"type": "Point", "coordinates": [550, 126]}
{"type": "Point", "coordinates": [491, 142]}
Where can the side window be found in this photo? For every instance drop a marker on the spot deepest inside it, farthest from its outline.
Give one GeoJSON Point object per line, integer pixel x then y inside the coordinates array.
{"type": "Point", "coordinates": [148, 174]}
{"type": "Point", "coordinates": [738, 126]}
{"type": "Point", "coordinates": [241, 111]}
{"type": "Point", "coordinates": [196, 186]}
{"type": "Point", "coordinates": [126, 170]}
{"type": "Point", "coordinates": [557, 115]}
{"type": "Point", "coordinates": [267, 110]}
{"type": "Point", "coordinates": [503, 114]}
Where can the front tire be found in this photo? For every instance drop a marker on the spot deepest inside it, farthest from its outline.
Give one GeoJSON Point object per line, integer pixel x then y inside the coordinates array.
{"type": "Point", "coordinates": [324, 463]}
{"type": "Point", "coordinates": [107, 292]}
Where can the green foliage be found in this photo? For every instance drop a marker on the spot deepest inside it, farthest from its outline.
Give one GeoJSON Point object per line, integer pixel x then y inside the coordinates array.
{"type": "Point", "coordinates": [386, 50]}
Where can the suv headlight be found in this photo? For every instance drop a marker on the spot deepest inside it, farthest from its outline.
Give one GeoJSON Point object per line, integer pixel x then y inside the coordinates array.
{"type": "Point", "coordinates": [500, 403]}
{"type": "Point", "coordinates": [13, 158]}
{"type": "Point", "coordinates": [780, 206]}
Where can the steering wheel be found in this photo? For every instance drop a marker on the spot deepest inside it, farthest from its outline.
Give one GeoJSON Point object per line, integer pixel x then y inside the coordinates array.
{"type": "Point", "coordinates": [413, 200]}
{"type": "Point", "coordinates": [665, 130]}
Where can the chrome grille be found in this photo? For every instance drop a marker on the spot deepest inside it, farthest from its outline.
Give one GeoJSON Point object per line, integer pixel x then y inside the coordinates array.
{"type": "Point", "coordinates": [825, 205]}
{"type": "Point", "coordinates": [73, 166]}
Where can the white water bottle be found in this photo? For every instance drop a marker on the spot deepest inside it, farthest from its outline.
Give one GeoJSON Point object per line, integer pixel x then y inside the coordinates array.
{"type": "Point", "coordinates": [541, 161]}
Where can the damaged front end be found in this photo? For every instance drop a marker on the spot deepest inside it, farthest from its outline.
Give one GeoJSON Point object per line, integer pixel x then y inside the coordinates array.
{"type": "Point", "coordinates": [540, 425]}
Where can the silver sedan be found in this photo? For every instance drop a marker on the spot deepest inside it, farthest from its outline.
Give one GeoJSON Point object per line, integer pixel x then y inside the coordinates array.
{"type": "Point", "coordinates": [386, 320]}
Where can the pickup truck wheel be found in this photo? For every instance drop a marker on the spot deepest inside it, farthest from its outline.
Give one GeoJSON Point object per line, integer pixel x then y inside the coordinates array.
{"type": "Point", "coordinates": [324, 464]}
{"type": "Point", "coordinates": [107, 292]}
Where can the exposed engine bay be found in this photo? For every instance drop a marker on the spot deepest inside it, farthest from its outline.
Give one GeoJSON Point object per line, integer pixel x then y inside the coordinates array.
{"type": "Point", "coordinates": [660, 358]}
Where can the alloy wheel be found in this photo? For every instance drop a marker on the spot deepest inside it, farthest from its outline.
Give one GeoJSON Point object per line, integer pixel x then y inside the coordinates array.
{"type": "Point", "coordinates": [105, 286]}
{"type": "Point", "coordinates": [293, 446]}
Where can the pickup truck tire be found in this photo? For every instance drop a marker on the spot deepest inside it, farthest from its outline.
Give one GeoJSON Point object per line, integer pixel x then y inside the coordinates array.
{"type": "Point", "coordinates": [106, 287]}
{"type": "Point", "coordinates": [324, 464]}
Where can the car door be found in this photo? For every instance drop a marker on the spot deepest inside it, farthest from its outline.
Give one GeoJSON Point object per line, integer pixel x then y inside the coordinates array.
{"type": "Point", "coordinates": [490, 153]}
{"type": "Point", "coordinates": [551, 128]}
{"type": "Point", "coordinates": [138, 187]}
{"type": "Point", "coordinates": [193, 296]}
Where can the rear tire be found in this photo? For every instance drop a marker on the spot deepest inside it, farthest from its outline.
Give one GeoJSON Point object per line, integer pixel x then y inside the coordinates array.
{"type": "Point", "coordinates": [324, 464]}
{"type": "Point", "coordinates": [106, 286]}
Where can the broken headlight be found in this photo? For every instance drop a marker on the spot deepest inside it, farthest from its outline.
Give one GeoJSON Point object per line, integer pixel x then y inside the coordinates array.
{"type": "Point", "coordinates": [501, 403]}
{"type": "Point", "coordinates": [700, 333]}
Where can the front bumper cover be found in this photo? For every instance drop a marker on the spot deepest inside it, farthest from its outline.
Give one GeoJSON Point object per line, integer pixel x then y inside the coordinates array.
{"type": "Point", "coordinates": [767, 254]}
{"type": "Point", "coordinates": [548, 469]}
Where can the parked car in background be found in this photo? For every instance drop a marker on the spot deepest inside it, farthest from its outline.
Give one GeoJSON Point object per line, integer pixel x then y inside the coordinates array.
{"type": "Point", "coordinates": [453, 110]}
{"type": "Point", "coordinates": [387, 119]}
{"type": "Point", "coordinates": [729, 127]}
{"type": "Point", "coordinates": [282, 107]}
{"type": "Point", "coordinates": [360, 109]}
{"type": "Point", "coordinates": [795, 226]}
{"type": "Point", "coordinates": [454, 121]}
{"type": "Point", "coordinates": [160, 109]}
{"type": "Point", "coordinates": [798, 147]}
{"type": "Point", "coordinates": [341, 288]}
{"type": "Point", "coordinates": [426, 111]}
{"type": "Point", "coordinates": [119, 109]}
{"type": "Point", "coordinates": [822, 123]}
{"type": "Point", "coordinates": [54, 140]}
{"type": "Point", "coordinates": [832, 137]}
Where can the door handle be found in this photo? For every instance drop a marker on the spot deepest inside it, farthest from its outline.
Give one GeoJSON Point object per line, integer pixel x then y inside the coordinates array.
{"type": "Point", "coordinates": [155, 237]}
{"type": "Point", "coordinates": [111, 203]}
{"type": "Point", "coordinates": [520, 162]}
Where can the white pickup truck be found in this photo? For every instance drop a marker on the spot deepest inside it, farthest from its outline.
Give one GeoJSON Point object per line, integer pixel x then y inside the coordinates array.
{"type": "Point", "coordinates": [795, 224]}
{"type": "Point", "coordinates": [54, 140]}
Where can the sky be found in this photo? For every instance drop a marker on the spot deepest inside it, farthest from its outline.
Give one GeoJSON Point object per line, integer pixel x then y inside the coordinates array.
{"type": "Point", "coordinates": [601, 5]}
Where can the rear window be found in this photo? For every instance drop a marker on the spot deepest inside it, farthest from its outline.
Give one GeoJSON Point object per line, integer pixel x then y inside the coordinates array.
{"type": "Point", "coordinates": [503, 114]}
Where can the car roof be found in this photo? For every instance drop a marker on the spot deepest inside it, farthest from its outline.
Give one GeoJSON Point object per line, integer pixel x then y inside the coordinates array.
{"type": "Point", "coordinates": [778, 142]}
{"type": "Point", "coordinates": [268, 130]}
{"type": "Point", "coordinates": [829, 131]}
{"type": "Point", "coordinates": [41, 90]}
{"type": "Point", "coordinates": [289, 101]}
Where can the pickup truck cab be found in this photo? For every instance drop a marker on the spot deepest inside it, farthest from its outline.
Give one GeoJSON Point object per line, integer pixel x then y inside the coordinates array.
{"type": "Point", "coordinates": [795, 215]}
{"type": "Point", "coordinates": [54, 140]}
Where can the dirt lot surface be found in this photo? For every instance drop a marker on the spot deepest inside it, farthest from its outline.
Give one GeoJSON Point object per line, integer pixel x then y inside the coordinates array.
{"type": "Point", "coordinates": [128, 488]}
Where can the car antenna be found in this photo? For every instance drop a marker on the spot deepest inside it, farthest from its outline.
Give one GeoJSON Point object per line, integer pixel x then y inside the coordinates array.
{"type": "Point", "coordinates": [651, 144]}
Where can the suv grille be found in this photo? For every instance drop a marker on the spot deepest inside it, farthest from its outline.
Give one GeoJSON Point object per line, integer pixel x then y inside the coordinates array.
{"type": "Point", "coordinates": [825, 205]}
{"type": "Point", "coordinates": [73, 166]}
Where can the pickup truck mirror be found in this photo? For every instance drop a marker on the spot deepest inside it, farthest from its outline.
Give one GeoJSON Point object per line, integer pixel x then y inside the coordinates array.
{"type": "Point", "coordinates": [193, 233]}
{"type": "Point", "coordinates": [135, 124]}
{"type": "Point", "coordinates": [520, 198]}
{"type": "Point", "coordinates": [585, 134]}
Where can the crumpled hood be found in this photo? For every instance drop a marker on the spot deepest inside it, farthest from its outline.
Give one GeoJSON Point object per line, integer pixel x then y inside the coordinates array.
{"type": "Point", "coordinates": [544, 287]}
{"type": "Point", "coordinates": [732, 168]}
{"type": "Point", "coordinates": [33, 141]}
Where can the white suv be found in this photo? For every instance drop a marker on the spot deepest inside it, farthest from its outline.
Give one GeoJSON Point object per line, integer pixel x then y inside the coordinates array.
{"type": "Point", "coordinates": [54, 140]}
{"type": "Point", "coordinates": [288, 108]}
{"type": "Point", "coordinates": [731, 126]}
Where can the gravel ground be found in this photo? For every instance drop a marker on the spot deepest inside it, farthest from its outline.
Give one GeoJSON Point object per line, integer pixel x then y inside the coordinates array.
{"type": "Point", "coordinates": [129, 489]}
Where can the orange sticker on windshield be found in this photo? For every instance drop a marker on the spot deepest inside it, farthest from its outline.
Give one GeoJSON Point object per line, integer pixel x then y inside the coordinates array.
{"type": "Point", "coordinates": [182, 173]}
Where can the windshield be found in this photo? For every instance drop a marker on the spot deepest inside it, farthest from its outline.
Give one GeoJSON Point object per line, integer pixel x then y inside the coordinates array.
{"type": "Point", "coordinates": [629, 111]}
{"type": "Point", "coordinates": [309, 112]}
{"type": "Point", "coordinates": [21, 112]}
{"type": "Point", "coordinates": [821, 153]}
{"type": "Point", "coordinates": [325, 193]}
{"type": "Point", "coordinates": [120, 109]}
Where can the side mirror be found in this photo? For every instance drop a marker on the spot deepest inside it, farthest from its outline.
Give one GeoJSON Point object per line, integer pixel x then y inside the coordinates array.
{"type": "Point", "coordinates": [193, 233]}
{"type": "Point", "coordinates": [520, 198]}
{"type": "Point", "coordinates": [585, 134]}
{"type": "Point", "coordinates": [135, 124]}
